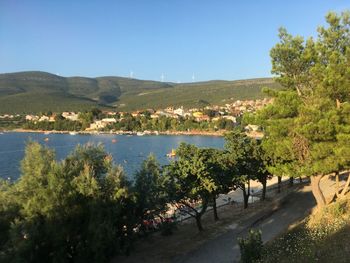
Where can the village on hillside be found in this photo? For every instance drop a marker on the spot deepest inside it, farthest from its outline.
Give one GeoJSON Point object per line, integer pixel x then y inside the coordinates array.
{"type": "Point", "coordinates": [220, 118]}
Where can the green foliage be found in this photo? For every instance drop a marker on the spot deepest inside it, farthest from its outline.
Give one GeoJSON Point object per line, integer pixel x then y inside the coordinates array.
{"type": "Point", "coordinates": [192, 95]}
{"type": "Point", "coordinates": [191, 171]}
{"type": "Point", "coordinates": [277, 121]}
{"type": "Point", "coordinates": [240, 152]}
{"type": "Point", "coordinates": [86, 118]}
{"type": "Point", "coordinates": [245, 160]}
{"type": "Point", "coordinates": [251, 247]}
{"type": "Point", "coordinates": [32, 102]}
{"type": "Point", "coordinates": [141, 123]}
{"type": "Point", "coordinates": [80, 209]}
{"type": "Point", "coordinates": [150, 190]}
{"type": "Point", "coordinates": [58, 125]}
{"type": "Point", "coordinates": [306, 127]}
{"type": "Point", "coordinates": [191, 180]}
{"type": "Point", "coordinates": [12, 123]}
{"type": "Point", "coordinates": [292, 60]}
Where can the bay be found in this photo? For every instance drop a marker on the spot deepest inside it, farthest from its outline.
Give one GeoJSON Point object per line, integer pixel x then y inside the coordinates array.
{"type": "Point", "coordinates": [128, 151]}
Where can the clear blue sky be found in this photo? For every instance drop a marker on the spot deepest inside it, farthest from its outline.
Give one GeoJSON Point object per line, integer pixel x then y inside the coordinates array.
{"type": "Point", "coordinates": [224, 39]}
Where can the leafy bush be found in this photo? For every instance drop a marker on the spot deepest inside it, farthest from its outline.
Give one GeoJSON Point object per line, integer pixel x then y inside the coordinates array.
{"type": "Point", "coordinates": [77, 210]}
{"type": "Point", "coordinates": [251, 247]}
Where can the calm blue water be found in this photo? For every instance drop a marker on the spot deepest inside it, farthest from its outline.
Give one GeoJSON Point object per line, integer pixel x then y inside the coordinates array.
{"type": "Point", "coordinates": [128, 151]}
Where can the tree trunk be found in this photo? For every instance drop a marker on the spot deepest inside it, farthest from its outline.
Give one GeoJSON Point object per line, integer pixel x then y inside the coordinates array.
{"type": "Point", "coordinates": [300, 179]}
{"type": "Point", "coordinates": [291, 181]}
{"type": "Point", "coordinates": [316, 190]}
{"type": "Point", "coordinates": [337, 101]}
{"type": "Point", "coordinates": [298, 91]}
{"type": "Point", "coordinates": [199, 222]}
{"type": "Point", "coordinates": [345, 189]}
{"type": "Point", "coordinates": [337, 184]}
{"type": "Point", "coordinates": [263, 194]}
{"type": "Point", "coordinates": [216, 218]}
{"type": "Point", "coordinates": [279, 184]}
{"type": "Point", "coordinates": [245, 197]}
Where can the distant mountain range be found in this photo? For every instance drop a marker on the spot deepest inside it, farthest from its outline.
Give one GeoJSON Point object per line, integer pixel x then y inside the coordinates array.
{"type": "Point", "coordinates": [36, 91]}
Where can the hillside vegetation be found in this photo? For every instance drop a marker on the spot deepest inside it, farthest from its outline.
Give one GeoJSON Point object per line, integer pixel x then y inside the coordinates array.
{"type": "Point", "coordinates": [40, 91]}
{"type": "Point", "coordinates": [196, 94]}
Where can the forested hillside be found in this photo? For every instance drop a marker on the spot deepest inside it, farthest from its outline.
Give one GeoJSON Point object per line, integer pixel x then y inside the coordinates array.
{"type": "Point", "coordinates": [40, 91]}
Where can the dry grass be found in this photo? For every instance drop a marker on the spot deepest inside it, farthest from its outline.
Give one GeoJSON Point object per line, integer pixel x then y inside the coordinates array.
{"type": "Point", "coordinates": [322, 237]}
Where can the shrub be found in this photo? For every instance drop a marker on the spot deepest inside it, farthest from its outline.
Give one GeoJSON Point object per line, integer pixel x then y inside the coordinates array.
{"type": "Point", "coordinates": [251, 247]}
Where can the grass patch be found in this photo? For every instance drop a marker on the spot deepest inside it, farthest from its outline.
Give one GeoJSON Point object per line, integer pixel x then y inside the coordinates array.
{"type": "Point", "coordinates": [322, 237]}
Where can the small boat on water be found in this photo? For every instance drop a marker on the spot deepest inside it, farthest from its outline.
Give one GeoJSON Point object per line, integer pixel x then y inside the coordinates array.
{"type": "Point", "coordinates": [172, 154]}
{"type": "Point", "coordinates": [46, 139]}
{"type": "Point", "coordinates": [72, 133]}
{"type": "Point", "coordinates": [140, 134]}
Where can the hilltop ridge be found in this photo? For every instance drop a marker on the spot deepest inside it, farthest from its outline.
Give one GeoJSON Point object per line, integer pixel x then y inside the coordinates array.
{"type": "Point", "coordinates": [37, 91]}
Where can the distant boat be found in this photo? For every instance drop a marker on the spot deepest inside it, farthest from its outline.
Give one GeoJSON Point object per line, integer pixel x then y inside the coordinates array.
{"type": "Point", "coordinates": [72, 133]}
{"type": "Point", "coordinates": [140, 134]}
{"type": "Point", "coordinates": [47, 132]}
{"type": "Point", "coordinates": [172, 154]}
{"type": "Point", "coordinates": [46, 139]}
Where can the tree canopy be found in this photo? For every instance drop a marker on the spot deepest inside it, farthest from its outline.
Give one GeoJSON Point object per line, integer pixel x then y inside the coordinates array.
{"type": "Point", "coordinates": [307, 126]}
{"type": "Point", "coordinates": [65, 210]}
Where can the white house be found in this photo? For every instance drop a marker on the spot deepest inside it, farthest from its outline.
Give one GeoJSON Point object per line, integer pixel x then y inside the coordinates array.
{"type": "Point", "coordinates": [109, 120]}
{"type": "Point", "coordinates": [70, 115]}
{"type": "Point", "coordinates": [251, 127]}
{"type": "Point", "coordinates": [32, 118]}
{"type": "Point", "coordinates": [179, 111]}
{"type": "Point", "coordinates": [100, 124]}
{"type": "Point", "coordinates": [229, 117]}
{"type": "Point", "coordinates": [44, 118]}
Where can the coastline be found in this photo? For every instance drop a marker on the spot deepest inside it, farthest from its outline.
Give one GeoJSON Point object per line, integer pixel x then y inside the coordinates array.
{"type": "Point", "coordinates": [145, 133]}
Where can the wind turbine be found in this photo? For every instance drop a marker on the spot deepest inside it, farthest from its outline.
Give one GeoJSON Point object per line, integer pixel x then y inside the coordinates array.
{"type": "Point", "coordinates": [162, 77]}
{"type": "Point", "coordinates": [131, 74]}
{"type": "Point", "coordinates": [193, 78]}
